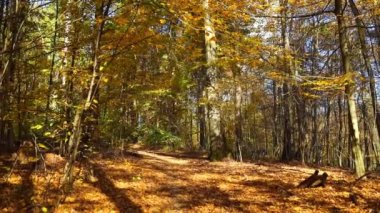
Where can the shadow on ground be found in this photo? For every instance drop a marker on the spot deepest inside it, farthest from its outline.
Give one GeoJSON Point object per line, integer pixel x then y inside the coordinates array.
{"type": "Point", "coordinates": [22, 192]}
{"type": "Point", "coordinates": [116, 195]}
{"type": "Point", "coordinates": [188, 197]}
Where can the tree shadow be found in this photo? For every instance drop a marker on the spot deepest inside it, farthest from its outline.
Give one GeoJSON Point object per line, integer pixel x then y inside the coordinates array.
{"type": "Point", "coordinates": [344, 186]}
{"type": "Point", "coordinates": [133, 154]}
{"type": "Point", "coordinates": [172, 171]}
{"type": "Point", "coordinates": [373, 204]}
{"type": "Point", "coordinates": [188, 197]}
{"type": "Point", "coordinates": [85, 205]}
{"type": "Point", "coordinates": [117, 196]}
{"type": "Point", "coordinates": [22, 193]}
{"type": "Point", "coordinates": [27, 188]}
{"type": "Point", "coordinates": [6, 189]}
{"type": "Point", "coordinates": [286, 193]}
{"type": "Point", "coordinates": [279, 189]}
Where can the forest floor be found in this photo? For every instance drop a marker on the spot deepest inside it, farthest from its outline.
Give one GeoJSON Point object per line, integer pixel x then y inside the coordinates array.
{"type": "Point", "coordinates": [151, 181]}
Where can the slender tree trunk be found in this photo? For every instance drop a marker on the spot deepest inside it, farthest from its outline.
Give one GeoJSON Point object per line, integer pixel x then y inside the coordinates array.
{"type": "Point", "coordinates": [302, 127]}
{"type": "Point", "coordinates": [52, 64]}
{"type": "Point", "coordinates": [275, 132]}
{"type": "Point", "coordinates": [364, 51]}
{"type": "Point", "coordinates": [316, 142]}
{"type": "Point", "coordinates": [67, 66]}
{"type": "Point", "coordinates": [191, 127]}
{"type": "Point", "coordinates": [238, 119]}
{"type": "Point", "coordinates": [287, 152]}
{"type": "Point", "coordinates": [366, 130]}
{"type": "Point", "coordinates": [340, 133]}
{"type": "Point", "coordinates": [75, 138]}
{"type": "Point", "coordinates": [350, 90]}
{"type": "Point", "coordinates": [201, 109]}
{"type": "Point", "coordinates": [13, 30]}
{"type": "Point", "coordinates": [202, 127]}
{"type": "Point", "coordinates": [3, 92]}
{"type": "Point", "coordinates": [377, 31]}
{"type": "Point", "coordinates": [134, 122]}
{"type": "Point", "coordinates": [327, 133]}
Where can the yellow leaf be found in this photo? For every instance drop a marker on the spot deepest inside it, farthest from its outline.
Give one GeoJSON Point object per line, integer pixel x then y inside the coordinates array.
{"type": "Point", "coordinates": [44, 209]}
{"type": "Point", "coordinates": [37, 127]}
{"type": "Point", "coordinates": [43, 146]}
{"type": "Point", "coordinates": [47, 134]}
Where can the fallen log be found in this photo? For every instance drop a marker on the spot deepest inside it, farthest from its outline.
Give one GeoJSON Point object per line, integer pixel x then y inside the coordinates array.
{"type": "Point", "coordinates": [314, 180]}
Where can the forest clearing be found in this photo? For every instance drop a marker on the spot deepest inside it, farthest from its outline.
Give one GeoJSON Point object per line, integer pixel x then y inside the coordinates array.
{"type": "Point", "coordinates": [175, 182]}
{"type": "Point", "coordinates": [189, 105]}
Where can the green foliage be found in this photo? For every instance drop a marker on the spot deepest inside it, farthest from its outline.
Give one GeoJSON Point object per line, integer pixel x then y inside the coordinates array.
{"type": "Point", "coordinates": [160, 138]}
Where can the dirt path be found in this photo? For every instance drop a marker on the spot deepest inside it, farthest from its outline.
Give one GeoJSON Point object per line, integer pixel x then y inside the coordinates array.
{"type": "Point", "coordinates": [144, 181]}
{"type": "Point", "coordinates": [167, 159]}
{"type": "Point", "coordinates": [150, 182]}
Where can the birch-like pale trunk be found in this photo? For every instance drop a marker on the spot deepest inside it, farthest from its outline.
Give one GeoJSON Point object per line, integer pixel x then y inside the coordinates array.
{"type": "Point", "coordinates": [238, 119]}
{"type": "Point", "coordinates": [374, 133]}
{"type": "Point", "coordinates": [350, 91]}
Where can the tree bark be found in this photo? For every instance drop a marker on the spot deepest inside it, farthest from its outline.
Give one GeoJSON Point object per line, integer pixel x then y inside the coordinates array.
{"type": "Point", "coordinates": [201, 109]}
{"type": "Point", "coordinates": [340, 133]}
{"type": "Point", "coordinates": [238, 119]}
{"type": "Point", "coordinates": [275, 132]}
{"type": "Point", "coordinates": [372, 82]}
{"type": "Point", "coordinates": [15, 17]}
{"type": "Point", "coordinates": [212, 89]}
{"type": "Point", "coordinates": [350, 90]}
{"type": "Point", "coordinates": [287, 152]}
{"type": "Point", "coordinates": [52, 63]}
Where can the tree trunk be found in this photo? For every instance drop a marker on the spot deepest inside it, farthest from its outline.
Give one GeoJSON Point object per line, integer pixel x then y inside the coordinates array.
{"type": "Point", "coordinates": [238, 119]}
{"type": "Point", "coordinates": [52, 63]}
{"type": "Point", "coordinates": [77, 127]}
{"type": "Point", "coordinates": [327, 133]}
{"type": "Point", "coordinates": [201, 108]}
{"type": "Point", "coordinates": [67, 68]}
{"type": "Point", "coordinates": [350, 90]}
{"type": "Point", "coordinates": [340, 133]}
{"type": "Point", "coordinates": [15, 17]}
{"type": "Point", "coordinates": [212, 89]}
{"type": "Point", "coordinates": [364, 51]}
{"type": "Point", "coordinates": [287, 152]}
{"type": "Point", "coordinates": [275, 132]}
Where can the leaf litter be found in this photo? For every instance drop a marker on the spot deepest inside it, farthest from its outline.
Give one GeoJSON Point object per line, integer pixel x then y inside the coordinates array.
{"type": "Point", "coordinates": [158, 182]}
